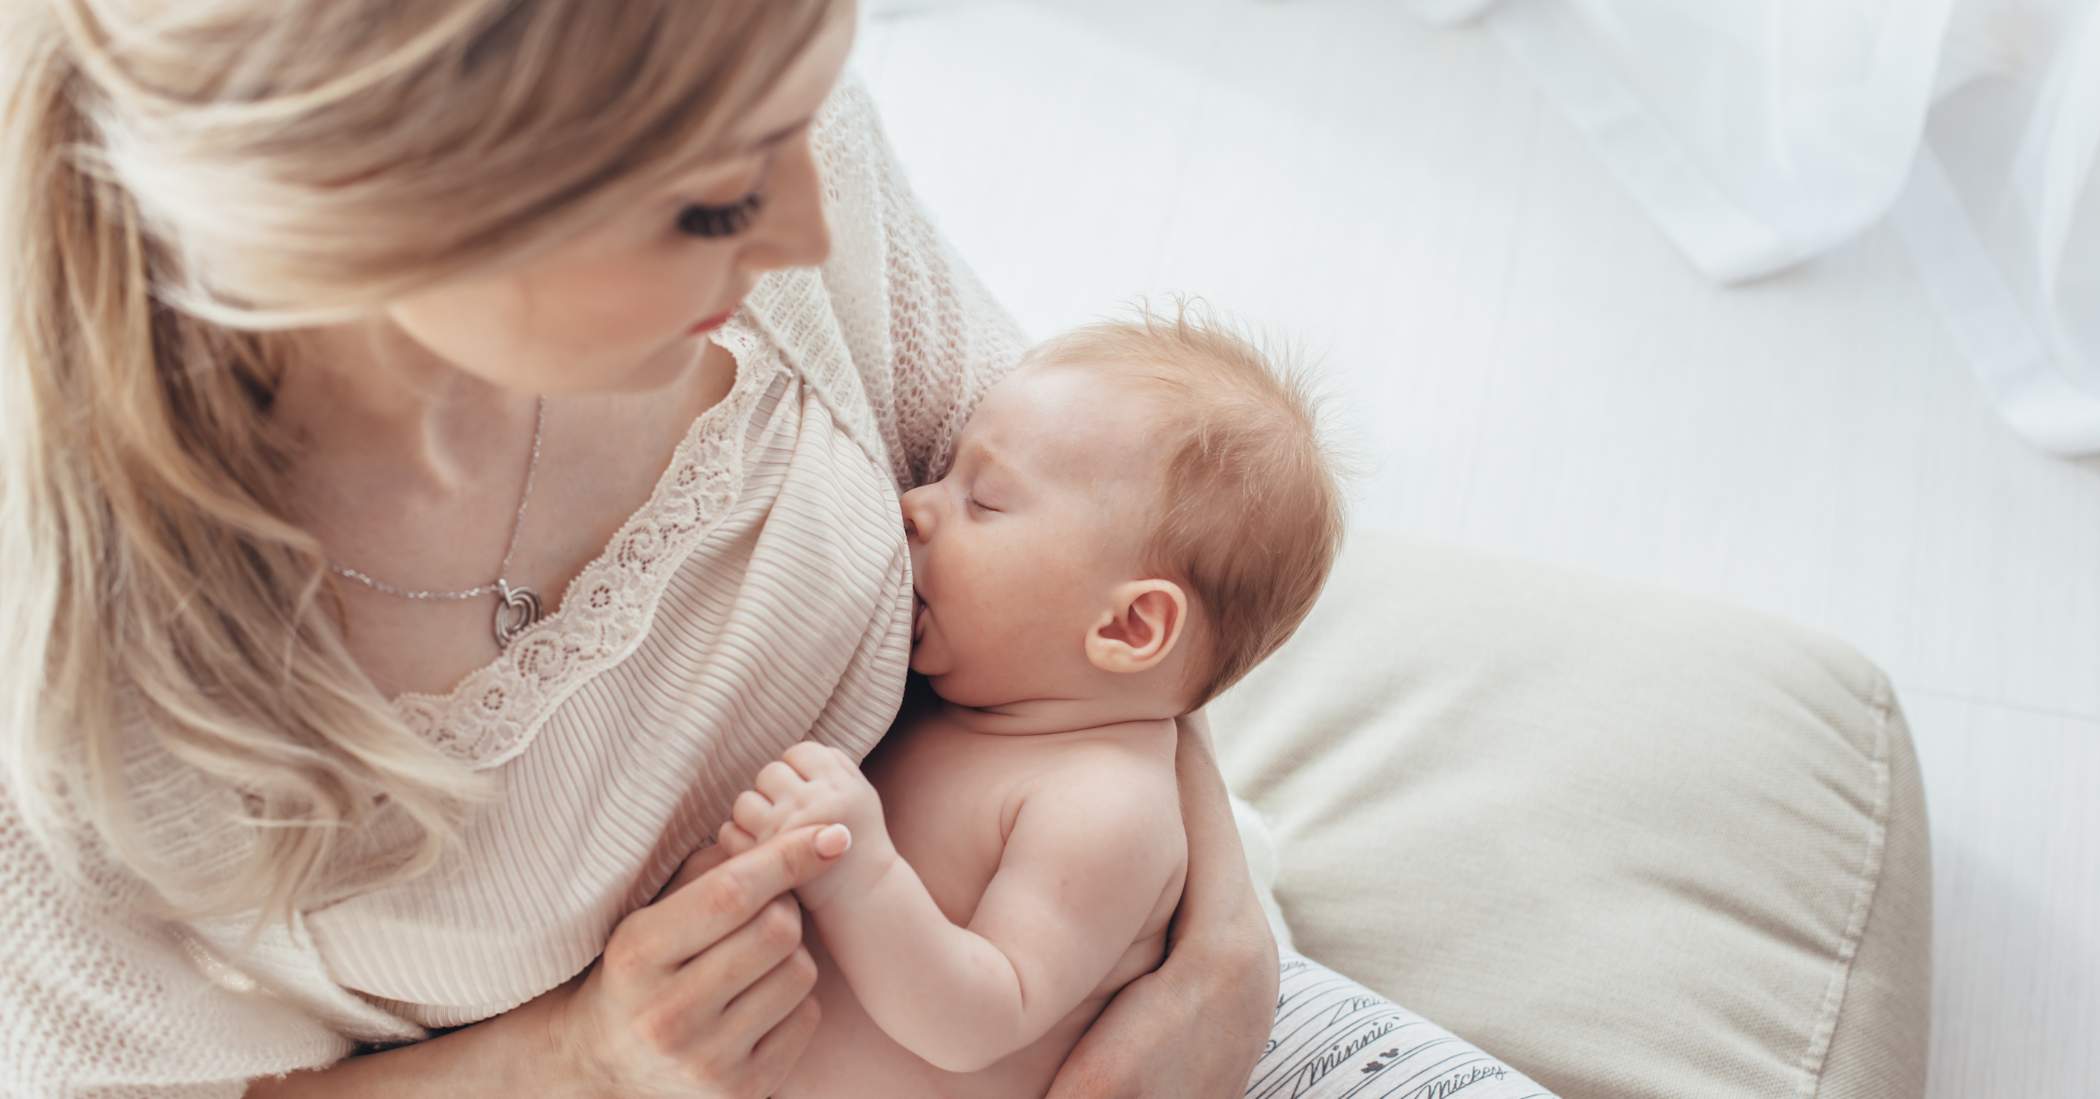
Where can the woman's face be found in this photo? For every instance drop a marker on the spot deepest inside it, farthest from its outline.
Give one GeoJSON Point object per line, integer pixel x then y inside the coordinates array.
{"type": "Point", "coordinates": [622, 306]}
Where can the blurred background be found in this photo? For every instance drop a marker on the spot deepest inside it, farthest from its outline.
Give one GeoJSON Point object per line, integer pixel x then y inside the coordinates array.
{"type": "Point", "coordinates": [1791, 312]}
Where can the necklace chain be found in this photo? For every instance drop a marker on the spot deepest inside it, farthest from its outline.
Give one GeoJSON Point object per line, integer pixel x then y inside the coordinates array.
{"type": "Point", "coordinates": [513, 596]}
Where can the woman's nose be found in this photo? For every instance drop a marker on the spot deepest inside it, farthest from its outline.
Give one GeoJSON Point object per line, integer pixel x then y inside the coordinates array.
{"type": "Point", "coordinates": [793, 230]}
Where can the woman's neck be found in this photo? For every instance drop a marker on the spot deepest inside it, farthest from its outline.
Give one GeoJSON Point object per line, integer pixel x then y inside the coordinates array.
{"type": "Point", "coordinates": [367, 392]}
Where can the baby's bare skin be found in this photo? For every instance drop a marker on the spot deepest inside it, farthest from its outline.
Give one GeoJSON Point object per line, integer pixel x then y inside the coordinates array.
{"type": "Point", "coordinates": [1017, 842]}
{"type": "Point", "coordinates": [950, 797]}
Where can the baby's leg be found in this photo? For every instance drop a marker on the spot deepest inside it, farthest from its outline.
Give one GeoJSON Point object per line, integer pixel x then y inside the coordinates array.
{"type": "Point", "coordinates": [1335, 1038]}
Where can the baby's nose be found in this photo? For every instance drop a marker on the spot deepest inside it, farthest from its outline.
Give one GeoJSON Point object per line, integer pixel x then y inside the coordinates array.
{"type": "Point", "coordinates": [918, 517]}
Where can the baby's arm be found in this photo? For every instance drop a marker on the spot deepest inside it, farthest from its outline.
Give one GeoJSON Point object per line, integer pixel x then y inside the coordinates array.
{"type": "Point", "coordinates": [1091, 850]}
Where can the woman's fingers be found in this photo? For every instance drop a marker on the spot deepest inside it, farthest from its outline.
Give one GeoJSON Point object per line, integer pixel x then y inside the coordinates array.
{"type": "Point", "coordinates": [695, 1005]}
{"type": "Point", "coordinates": [652, 1014]}
{"type": "Point", "coordinates": [745, 955]}
{"type": "Point", "coordinates": [775, 1054]}
{"type": "Point", "coordinates": [703, 988]}
{"type": "Point", "coordinates": [758, 1009]}
{"type": "Point", "coordinates": [704, 911]}
{"type": "Point", "coordinates": [695, 864]}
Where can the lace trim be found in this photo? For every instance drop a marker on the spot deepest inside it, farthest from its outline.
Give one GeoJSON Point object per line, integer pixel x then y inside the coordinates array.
{"type": "Point", "coordinates": [491, 714]}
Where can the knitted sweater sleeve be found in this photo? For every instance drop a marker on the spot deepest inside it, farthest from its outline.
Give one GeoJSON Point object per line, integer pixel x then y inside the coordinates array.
{"type": "Point", "coordinates": [926, 337]}
{"type": "Point", "coordinates": [100, 1002]}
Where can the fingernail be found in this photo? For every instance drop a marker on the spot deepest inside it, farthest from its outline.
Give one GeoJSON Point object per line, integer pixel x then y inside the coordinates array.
{"type": "Point", "coordinates": [834, 841]}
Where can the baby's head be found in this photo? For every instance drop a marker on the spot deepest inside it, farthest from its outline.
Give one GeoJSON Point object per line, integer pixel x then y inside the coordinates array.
{"type": "Point", "coordinates": [1138, 515]}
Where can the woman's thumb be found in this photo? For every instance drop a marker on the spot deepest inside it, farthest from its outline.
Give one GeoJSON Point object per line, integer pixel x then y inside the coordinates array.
{"type": "Point", "coordinates": [834, 840]}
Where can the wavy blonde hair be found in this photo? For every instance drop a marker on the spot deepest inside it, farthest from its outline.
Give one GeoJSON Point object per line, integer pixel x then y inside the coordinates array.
{"type": "Point", "coordinates": [183, 182]}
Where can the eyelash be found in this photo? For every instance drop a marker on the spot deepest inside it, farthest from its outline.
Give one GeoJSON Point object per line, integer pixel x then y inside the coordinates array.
{"type": "Point", "coordinates": [697, 220]}
{"type": "Point", "coordinates": [973, 502]}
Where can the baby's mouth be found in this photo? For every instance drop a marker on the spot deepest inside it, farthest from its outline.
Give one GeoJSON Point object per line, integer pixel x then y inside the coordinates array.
{"type": "Point", "coordinates": [918, 618]}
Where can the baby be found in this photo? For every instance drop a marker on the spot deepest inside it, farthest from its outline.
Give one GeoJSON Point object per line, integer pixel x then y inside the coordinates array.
{"type": "Point", "coordinates": [1135, 517]}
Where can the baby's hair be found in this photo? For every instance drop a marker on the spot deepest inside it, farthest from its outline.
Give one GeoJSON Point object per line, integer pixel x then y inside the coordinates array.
{"type": "Point", "coordinates": [1251, 507]}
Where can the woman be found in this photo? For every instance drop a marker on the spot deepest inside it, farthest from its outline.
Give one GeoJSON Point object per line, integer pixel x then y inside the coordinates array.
{"type": "Point", "coordinates": [437, 477]}
{"type": "Point", "coordinates": [448, 448]}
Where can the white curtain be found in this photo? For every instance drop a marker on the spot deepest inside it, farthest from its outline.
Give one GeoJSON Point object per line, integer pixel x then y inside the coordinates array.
{"type": "Point", "coordinates": [1759, 133]}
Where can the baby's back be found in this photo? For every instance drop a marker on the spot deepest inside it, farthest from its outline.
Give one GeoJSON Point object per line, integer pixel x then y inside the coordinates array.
{"type": "Point", "coordinates": [950, 797]}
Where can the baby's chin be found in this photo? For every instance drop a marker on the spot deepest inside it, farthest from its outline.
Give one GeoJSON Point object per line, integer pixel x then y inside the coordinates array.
{"type": "Point", "coordinates": [930, 658]}
{"type": "Point", "coordinates": [955, 691]}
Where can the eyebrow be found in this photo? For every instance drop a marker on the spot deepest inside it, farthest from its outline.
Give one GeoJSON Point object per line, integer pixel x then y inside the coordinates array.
{"type": "Point", "coordinates": [774, 138]}
{"type": "Point", "coordinates": [714, 159]}
{"type": "Point", "coordinates": [987, 457]}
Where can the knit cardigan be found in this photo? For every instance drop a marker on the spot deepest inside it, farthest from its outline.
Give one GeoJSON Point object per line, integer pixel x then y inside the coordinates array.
{"type": "Point", "coordinates": [760, 596]}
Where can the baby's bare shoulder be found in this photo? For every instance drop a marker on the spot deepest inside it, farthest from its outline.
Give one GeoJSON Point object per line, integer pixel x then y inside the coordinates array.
{"type": "Point", "coordinates": [1104, 811]}
{"type": "Point", "coordinates": [1125, 765]}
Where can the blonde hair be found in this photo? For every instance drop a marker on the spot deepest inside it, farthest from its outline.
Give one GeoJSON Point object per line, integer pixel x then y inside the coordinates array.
{"type": "Point", "coordinates": [180, 180]}
{"type": "Point", "coordinates": [1251, 507]}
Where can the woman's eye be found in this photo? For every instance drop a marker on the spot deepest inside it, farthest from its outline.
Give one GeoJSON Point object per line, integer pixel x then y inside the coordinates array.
{"type": "Point", "coordinates": [699, 220]}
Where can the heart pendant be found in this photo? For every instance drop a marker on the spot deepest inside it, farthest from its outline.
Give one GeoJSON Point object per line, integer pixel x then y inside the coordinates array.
{"type": "Point", "coordinates": [519, 609]}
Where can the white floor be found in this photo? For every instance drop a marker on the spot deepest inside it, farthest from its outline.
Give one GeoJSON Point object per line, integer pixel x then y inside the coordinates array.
{"type": "Point", "coordinates": [1529, 367]}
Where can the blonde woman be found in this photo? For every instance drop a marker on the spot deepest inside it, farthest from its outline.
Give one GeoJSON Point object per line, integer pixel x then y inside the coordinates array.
{"type": "Point", "coordinates": [446, 448]}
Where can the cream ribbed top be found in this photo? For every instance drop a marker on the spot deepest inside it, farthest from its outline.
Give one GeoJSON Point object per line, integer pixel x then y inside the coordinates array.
{"type": "Point", "coordinates": [761, 595]}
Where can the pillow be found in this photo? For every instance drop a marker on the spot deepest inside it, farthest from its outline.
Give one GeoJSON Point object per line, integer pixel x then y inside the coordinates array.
{"type": "Point", "coordinates": [1260, 845]}
{"type": "Point", "coordinates": [1636, 844]}
{"type": "Point", "coordinates": [1336, 1039]}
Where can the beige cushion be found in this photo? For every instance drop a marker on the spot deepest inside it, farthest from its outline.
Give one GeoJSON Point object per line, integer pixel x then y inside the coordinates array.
{"type": "Point", "coordinates": [1634, 843]}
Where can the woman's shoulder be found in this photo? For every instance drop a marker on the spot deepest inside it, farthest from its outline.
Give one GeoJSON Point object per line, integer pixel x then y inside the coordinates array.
{"type": "Point", "coordinates": [925, 336]}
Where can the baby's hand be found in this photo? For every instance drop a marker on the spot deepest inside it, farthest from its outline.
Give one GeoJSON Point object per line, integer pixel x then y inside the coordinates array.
{"type": "Point", "coordinates": [814, 784]}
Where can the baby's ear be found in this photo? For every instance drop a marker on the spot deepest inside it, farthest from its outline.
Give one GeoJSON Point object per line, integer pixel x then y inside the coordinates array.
{"type": "Point", "coordinates": [1144, 623]}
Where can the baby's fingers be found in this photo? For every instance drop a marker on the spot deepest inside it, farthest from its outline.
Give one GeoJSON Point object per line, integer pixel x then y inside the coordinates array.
{"type": "Point", "coordinates": [733, 840]}
{"type": "Point", "coordinates": [811, 760]}
{"type": "Point", "coordinates": [754, 814]}
{"type": "Point", "coordinates": [776, 780]}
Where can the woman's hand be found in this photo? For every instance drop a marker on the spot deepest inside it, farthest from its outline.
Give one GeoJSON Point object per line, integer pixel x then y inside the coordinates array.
{"type": "Point", "coordinates": [1180, 1032]}
{"type": "Point", "coordinates": [1193, 1028]}
{"type": "Point", "coordinates": [706, 991]}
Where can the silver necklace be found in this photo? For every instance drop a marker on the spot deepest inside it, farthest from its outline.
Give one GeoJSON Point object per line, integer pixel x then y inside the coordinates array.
{"type": "Point", "coordinates": [517, 608]}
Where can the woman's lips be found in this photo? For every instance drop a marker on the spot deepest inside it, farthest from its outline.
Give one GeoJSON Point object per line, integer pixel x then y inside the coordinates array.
{"type": "Point", "coordinates": [712, 323]}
